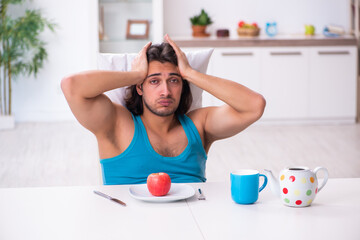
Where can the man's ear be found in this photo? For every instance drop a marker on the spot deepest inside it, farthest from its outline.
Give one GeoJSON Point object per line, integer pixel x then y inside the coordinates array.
{"type": "Point", "coordinates": [139, 89]}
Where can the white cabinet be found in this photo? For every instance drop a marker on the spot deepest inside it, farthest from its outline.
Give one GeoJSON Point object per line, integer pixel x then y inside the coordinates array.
{"type": "Point", "coordinates": [284, 82]}
{"type": "Point", "coordinates": [332, 82]}
{"type": "Point", "coordinates": [300, 84]}
{"type": "Point", "coordinates": [241, 65]}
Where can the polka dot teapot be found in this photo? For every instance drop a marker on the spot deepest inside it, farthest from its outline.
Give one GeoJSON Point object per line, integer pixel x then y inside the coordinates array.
{"type": "Point", "coordinates": [297, 186]}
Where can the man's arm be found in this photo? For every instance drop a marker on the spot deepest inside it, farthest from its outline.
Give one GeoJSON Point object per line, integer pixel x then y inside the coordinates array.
{"type": "Point", "coordinates": [84, 93]}
{"type": "Point", "coordinates": [243, 106]}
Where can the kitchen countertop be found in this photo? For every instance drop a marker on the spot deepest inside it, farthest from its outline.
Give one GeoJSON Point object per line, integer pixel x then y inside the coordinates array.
{"type": "Point", "coordinates": [293, 40]}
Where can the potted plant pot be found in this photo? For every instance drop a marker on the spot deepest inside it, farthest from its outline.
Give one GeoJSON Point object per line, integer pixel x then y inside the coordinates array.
{"type": "Point", "coordinates": [7, 122]}
{"type": "Point", "coordinates": [199, 24]}
{"type": "Point", "coordinates": [199, 31]}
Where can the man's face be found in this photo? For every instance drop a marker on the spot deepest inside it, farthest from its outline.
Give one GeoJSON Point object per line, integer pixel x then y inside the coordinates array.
{"type": "Point", "coordinates": [162, 88]}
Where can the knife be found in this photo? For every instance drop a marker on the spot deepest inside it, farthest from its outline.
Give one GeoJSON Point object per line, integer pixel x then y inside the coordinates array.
{"type": "Point", "coordinates": [201, 196]}
{"type": "Point", "coordinates": [110, 198]}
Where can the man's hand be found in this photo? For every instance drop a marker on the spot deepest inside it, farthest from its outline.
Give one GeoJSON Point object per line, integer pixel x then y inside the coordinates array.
{"type": "Point", "coordinates": [140, 63]}
{"type": "Point", "coordinates": [183, 64]}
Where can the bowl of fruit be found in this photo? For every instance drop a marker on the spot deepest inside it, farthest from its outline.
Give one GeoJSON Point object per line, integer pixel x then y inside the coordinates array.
{"type": "Point", "coordinates": [248, 29]}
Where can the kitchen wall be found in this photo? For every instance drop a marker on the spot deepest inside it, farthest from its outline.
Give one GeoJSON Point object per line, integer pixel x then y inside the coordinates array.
{"type": "Point", "coordinates": [74, 46]}
{"type": "Point", "coordinates": [291, 15]}
{"type": "Point", "coordinates": [117, 13]}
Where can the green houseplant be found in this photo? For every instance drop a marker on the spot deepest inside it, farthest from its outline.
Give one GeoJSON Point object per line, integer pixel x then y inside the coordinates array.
{"type": "Point", "coordinates": [199, 24]}
{"type": "Point", "coordinates": [22, 52]}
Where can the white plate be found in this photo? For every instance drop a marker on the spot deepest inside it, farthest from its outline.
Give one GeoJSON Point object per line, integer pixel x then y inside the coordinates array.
{"type": "Point", "coordinates": [178, 191]}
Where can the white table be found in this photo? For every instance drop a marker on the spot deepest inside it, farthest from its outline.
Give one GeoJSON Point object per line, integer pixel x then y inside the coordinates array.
{"type": "Point", "coordinates": [334, 214]}
{"type": "Point", "coordinates": [77, 213]}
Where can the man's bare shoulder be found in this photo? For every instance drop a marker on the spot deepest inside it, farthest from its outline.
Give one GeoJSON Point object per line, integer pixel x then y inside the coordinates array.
{"type": "Point", "coordinates": [121, 118]}
{"type": "Point", "coordinates": [115, 140]}
{"type": "Point", "coordinates": [122, 113]}
{"type": "Point", "coordinates": [124, 119]}
{"type": "Point", "coordinates": [199, 115]}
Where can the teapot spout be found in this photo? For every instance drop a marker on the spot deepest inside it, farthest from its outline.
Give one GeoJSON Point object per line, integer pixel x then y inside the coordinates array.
{"type": "Point", "coordinates": [274, 183]}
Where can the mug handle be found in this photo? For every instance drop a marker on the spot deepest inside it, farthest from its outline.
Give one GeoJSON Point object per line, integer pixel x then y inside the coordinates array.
{"type": "Point", "coordinates": [265, 182]}
{"type": "Point", "coordinates": [325, 177]}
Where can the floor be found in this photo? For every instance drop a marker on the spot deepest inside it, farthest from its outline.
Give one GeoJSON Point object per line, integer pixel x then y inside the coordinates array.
{"type": "Point", "coordinates": [65, 154]}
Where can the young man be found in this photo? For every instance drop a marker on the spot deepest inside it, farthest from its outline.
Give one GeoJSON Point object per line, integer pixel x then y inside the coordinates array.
{"type": "Point", "coordinates": [153, 133]}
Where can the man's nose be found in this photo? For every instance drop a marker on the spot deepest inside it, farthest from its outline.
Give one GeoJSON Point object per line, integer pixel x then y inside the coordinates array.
{"type": "Point", "coordinates": [165, 91]}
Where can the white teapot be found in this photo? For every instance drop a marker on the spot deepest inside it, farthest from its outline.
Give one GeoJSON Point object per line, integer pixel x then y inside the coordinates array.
{"type": "Point", "coordinates": [297, 186]}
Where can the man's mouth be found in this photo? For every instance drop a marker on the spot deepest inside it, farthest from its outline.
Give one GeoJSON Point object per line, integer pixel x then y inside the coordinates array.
{"type": "Point", "coordinates": [165, 102]}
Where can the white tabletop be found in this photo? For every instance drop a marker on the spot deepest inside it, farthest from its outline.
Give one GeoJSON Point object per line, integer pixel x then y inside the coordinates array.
{"type": "Point", "coordinates": [77, 213]}
{"type": "Point", "coordinates": [66, 213]}
{"type": "Point", "coordinates": [334, 214]}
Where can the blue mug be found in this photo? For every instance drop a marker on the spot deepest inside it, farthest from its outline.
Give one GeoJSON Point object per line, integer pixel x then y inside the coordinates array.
{"type": "Point", "coordinates": [245, 186]}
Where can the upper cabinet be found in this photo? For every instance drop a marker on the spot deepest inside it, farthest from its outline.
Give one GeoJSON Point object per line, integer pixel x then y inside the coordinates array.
{"type": "Point", "coordinates": [127, 25]}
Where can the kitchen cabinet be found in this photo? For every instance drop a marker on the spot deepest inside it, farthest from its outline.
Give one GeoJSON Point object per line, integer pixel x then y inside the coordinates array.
{"type": "Point", "coordinates": [236, 64]}
{"type": "Point", "coordinates": [239, 65]}
{"type": "Point", "coordinates": [332, 82]}
{"type": "Point", "coordinates": [300, 84]}
{"type": "Point", "coordinates": [284, 82]}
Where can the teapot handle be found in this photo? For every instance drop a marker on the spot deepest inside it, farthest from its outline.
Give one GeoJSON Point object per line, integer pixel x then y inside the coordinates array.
{"type": "Point", "coordinates": [325, 177]}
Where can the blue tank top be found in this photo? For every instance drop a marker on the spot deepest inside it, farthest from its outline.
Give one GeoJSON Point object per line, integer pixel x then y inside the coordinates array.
{"type": "Point", "coordinates": [140, 159]}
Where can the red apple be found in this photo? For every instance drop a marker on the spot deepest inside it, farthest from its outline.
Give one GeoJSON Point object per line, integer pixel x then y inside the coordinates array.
{"type": "Point", "coordinates": [241, 24]}
{"type": "Point", "coordinates": [159, 183]}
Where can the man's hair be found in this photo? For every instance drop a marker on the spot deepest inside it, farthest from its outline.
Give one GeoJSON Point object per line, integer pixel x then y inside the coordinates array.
{"type": "Point", "coordinates": [163, 53]}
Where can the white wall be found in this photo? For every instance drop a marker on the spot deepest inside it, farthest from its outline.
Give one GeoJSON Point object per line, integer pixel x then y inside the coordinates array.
{"type": "Point", "coordinates": [116, 15]}
{"type": "Point", "coordinates": [74, 46]}
{"type": "Point", "coordinates": [291, 15]}
{"type": "Point", "coordinates": [71, 49]}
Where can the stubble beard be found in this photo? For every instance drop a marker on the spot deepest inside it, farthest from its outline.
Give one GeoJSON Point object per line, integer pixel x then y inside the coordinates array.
{"type": "Point", "coordinates": [161, 113]}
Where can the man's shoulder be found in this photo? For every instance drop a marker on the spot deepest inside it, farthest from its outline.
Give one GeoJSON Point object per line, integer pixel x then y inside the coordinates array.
{"type": "Point", "coordinates": [199, 114]}
{"type": "Point", "coordinates": [123, 115]}
{"type": "Point", "coordinates": [123, 120]}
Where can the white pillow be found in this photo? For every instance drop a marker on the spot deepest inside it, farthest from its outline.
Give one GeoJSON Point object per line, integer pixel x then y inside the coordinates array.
{"type": "Point", "coordinates": [198, 60]}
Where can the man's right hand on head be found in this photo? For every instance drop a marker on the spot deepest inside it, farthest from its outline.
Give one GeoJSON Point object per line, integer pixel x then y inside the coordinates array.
{"type": "Point", "coordinates": [140, 63]}
{"type": "Point", "coordinates": [183, 63]}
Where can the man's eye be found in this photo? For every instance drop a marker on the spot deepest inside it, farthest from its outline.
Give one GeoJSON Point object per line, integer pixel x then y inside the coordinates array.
{"type": "Point", "coordinates": [154, 81]}
{"type": "Point", "coordinates": [174, 80]}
